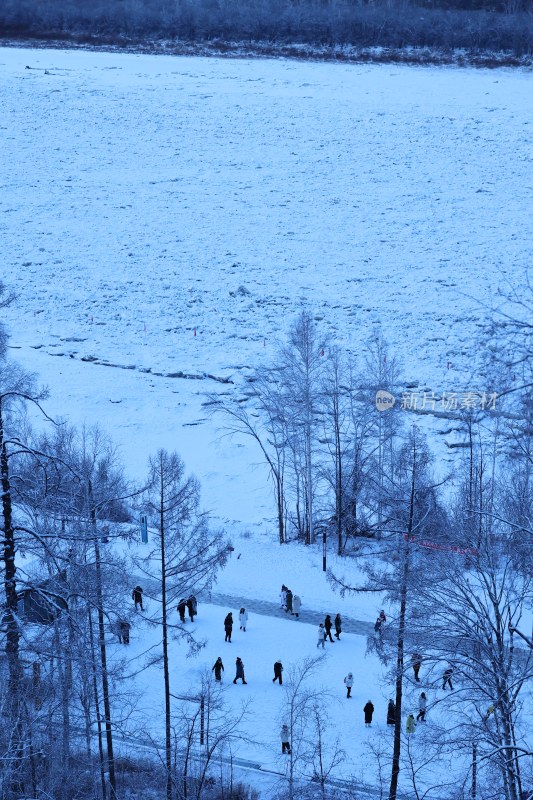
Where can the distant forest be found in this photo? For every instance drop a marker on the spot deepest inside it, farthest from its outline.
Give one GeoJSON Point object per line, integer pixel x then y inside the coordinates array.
{"type": "Point", "coordinates": [473, 25]}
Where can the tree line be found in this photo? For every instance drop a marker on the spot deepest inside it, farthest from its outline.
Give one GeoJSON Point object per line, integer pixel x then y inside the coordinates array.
{"type": "Point", "coordinates": [451, 551]}
{"type": "Point", "coordinates": [446, 25]}
{"type": "Point", "coordinates": [65, 504]}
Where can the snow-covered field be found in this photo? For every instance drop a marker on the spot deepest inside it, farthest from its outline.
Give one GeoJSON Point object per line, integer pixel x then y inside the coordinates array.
{"type": "Point", "coordinates": [139, 193]}
{"type": "Point", "coordinates": [170, 215]}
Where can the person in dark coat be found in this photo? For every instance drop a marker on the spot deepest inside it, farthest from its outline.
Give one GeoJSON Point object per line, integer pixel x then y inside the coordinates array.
{"type": "Point", "coordinates": [369, 710]}
{"type": "Point", "coordinates": [288, 602]}
{"type": "Point", "coordinates": [124, 631]}
{"type": "Point", "coordinates": [228, 626]}
{"type": "Point", "coordinates": [192, 607]}
{"type": "Point", "coordinates": [377, 626]}
{"type": "Point", "coordinates": [327, 628]}
{"type": "Point", "coordinates": [137, 597]}
{"type": "Point", "coordinates": [278, 669]}
{"type": "Point", "coordinates": [182, 605]}
{"type": "Point", "coordinates": [416, 661]}
{"type": "Point", "coordinates": [447, 677]}
{"type": "Point", "coordinates": [338, 629]}
{"type": "Point", "coordinates": [239, 670]}
{"type": "Point", "coordinates": [391, 713]}
{"type": "Point", "coordinates": [218, 669]}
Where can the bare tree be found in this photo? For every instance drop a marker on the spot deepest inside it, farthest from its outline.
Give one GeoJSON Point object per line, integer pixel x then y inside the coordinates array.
{"type": "Point", "coordinates": [392, 569]}
{"type": "Point", "coordinates": [17, 389]}
{"type": "Point", "coordinates": [475, 610]}
{"type": "Point", "coordinates": [206, 732]}
{"type": "Point", "coordinates": [299, 372]}
{"type": "Point", "coordinates": [299, 701]}
{"type": "Point", "coordinates": [6, 298]}
{"type": "Point", "coordinates": [326, 753]}
{"type": "Point", "coordinates": [265, 422]}
{"type": "Point", "coordinates": [71, 484]}
{"type": "Point", "coordinates": [189, 555]}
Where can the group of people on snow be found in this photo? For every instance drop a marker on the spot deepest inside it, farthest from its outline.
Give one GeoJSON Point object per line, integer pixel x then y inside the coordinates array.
{"type": "Point", "coordinates": [218, 669]}
{"type": "Point", "coordinates": [191, 605]}
{"type": "Point", "coordinates": [391, 713]}
{"type": "Point", "coordinates": [410, 725]}
{"type": "Point", "coordinates": [290, 603]}
{"type": "Point", "coordinates": [228, 623]}
{"type": "Point", "coordinates": [324, 630]}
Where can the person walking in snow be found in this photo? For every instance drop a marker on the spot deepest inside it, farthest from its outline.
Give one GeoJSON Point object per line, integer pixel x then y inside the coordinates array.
{"type": "Point", "coordinates": [369, 710]}
{"type": "Point", "coordinates": [422, 707]}
{"type": "Point", "coordinates": [192, 607]}
{"type": "Point", "coordinates": [228, 626]}
{"type": "Point", "coordinates": [243, 619]}
{"type": "Point", "coordinates": [278, 669]}
{"type": "Point", "coordinates": [137, 597]}
{"type": "Point", "coordinates": [124, 631]}
{"type": "Point", "coordinates": [283, 596]}
{"type": "Point", "coordinates": [182, 605]}
{"type": "Point", "coordinates": [391, 713]}
{"type": "Point", "coordinates": [218, 669]}
{"type": "Point", "coordinates": [348, 682]}
{"type": "Point", "coordinates": [285, 739]}
{"type": "Point", "coordinates": [447, 677]}
{"type": "Point", "coordinates": [321, 636]}
{"type": "Point", "coordinates": [327, 628]}
{"type": "Point", "coordinates": [239, 670]}
{"type": "Point", "coordinates": [416, 663]}
{"type": "Point", "coordinates": [288, 602]}
{"type": "Point", "coordinates": [296, 604]}
{"type": "Point", "coordinates": [410, 724]}
{"type": "Point", "coordinates": [338, 623]}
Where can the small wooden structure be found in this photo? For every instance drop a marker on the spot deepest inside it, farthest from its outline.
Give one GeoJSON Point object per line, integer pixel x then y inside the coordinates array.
{"type": "Point", "coordinates": [43, 602]}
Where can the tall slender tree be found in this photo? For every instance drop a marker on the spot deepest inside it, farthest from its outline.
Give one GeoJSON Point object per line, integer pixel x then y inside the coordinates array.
{"type": "Point", "coordinates": [189, 554]}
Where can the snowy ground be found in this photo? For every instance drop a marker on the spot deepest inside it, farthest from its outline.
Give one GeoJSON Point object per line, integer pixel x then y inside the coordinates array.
{"type": "Point", "coordinates": [264, 641]}
{"type": "Point", "coordinates": [139, 194]}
